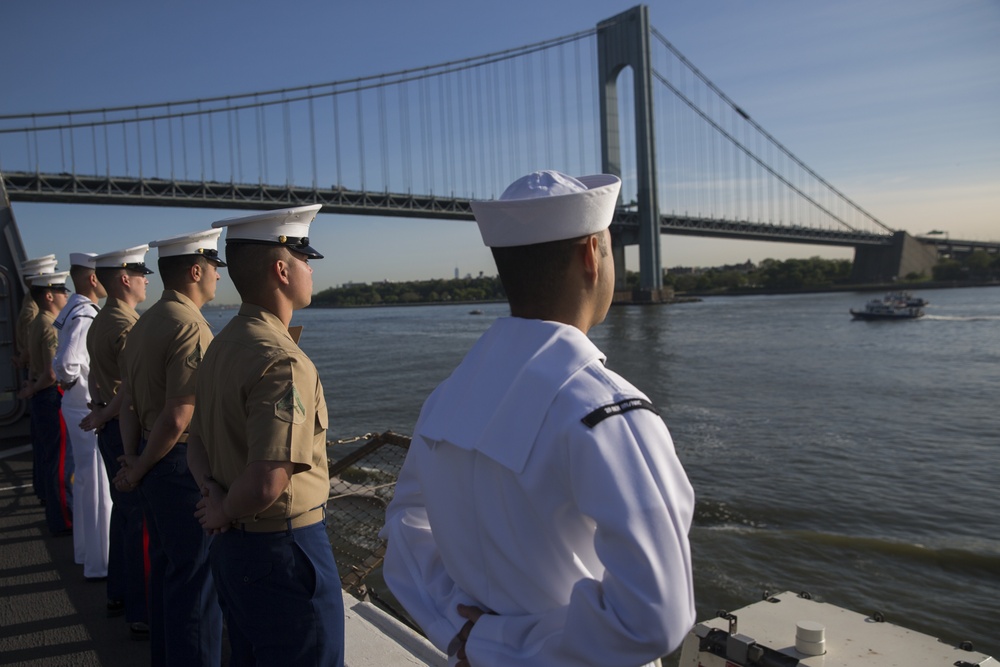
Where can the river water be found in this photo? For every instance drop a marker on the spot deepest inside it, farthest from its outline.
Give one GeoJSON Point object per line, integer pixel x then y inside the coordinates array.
{"type": "Point", "coordinates": [854, 460]}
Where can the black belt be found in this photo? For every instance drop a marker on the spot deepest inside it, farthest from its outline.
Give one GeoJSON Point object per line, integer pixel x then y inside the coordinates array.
{"type": "Point", "coordinates": [279, 524]}
{"type": "Point", "coordinates": [182, 439]}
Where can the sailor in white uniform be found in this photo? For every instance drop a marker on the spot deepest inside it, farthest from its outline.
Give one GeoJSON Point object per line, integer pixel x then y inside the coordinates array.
{"type": "Point", "coordinates": [91, 488]}
{"type": "Point", "coordinates": [542, 515]}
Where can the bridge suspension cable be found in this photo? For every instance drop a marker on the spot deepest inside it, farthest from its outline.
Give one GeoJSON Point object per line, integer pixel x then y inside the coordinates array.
{"type": "Point", "coordinates": [424, 141]}
{"type": "Point", "coordinates": [464, 128]}
{"type": "Point", "coordinates": [754, 161]}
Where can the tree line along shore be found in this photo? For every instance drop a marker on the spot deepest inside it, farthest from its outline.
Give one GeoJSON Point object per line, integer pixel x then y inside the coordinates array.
{"type": "Point", "coordinates": [769, 277]}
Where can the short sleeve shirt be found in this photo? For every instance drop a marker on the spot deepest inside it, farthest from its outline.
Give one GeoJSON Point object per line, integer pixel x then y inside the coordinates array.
{"type": "Point", "coordinates": [29, 311]}
{"type": "Point", "coordinates": [42, 344]}
{"type": "Point", "coordinates": [260, 399]}
{"type": "Point", "coordinates": [105, 342]}
{"type": "Point", "coordinates": [165, 349]}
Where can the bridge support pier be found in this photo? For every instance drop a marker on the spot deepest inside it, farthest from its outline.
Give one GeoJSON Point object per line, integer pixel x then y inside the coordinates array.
{"type": "Point", "coordinates": [883, 264]}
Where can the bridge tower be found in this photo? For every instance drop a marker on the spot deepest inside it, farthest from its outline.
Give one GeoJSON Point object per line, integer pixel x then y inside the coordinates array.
{"type": "Point", "coordinates": [623, 41]}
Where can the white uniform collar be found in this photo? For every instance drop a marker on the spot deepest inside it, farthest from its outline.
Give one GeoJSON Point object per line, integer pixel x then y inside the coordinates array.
{"type": "Point", "coordinates": [75, 302]}
{"type": "Point", "coordinates": [498, 397]}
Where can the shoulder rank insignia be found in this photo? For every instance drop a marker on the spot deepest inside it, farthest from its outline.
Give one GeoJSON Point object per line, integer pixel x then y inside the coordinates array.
{"type": "Point", "coordinates": [290, 408]}
{"type": "Point", "coordinates": [612, 409]}
{"type": "Point", "coordinates": [194, 359]}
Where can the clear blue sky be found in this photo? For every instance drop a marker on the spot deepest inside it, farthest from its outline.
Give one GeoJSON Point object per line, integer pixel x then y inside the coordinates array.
{"type": "Point", "coordinates": [895, 102]}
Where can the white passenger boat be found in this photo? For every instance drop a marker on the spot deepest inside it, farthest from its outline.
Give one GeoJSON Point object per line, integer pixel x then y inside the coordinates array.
{"type": "Point", "coordinates": [884, 309]}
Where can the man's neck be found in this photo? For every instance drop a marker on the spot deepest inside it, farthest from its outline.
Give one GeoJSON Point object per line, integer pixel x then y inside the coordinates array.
{"type": "Point", "coordinates": [125, 297]}
{"type": "Point", "coordinates": [279, 307]}
{"type": "Point", "coordinates": [190, 290]}
{"type": "Point", "coordinates": [88, 294]}
{"type": "Point", "coordinates": [50, 308]}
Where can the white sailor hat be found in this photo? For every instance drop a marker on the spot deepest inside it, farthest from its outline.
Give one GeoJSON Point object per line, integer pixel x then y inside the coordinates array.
{"type": "Point", "coordinates": [82, 259]}
{"type": "Point", "coordinates": [32, 267]}
{"type": "Point", "coordinates": [288, 227]}
{"type": "Point", "coordinates": [56, 281]}
{"type": "Point", "coordinates": [547, 206]}
{"type": "Point", "coordinates": [204, 243]}
{"type": "Point", "coordinates": [131, 259]}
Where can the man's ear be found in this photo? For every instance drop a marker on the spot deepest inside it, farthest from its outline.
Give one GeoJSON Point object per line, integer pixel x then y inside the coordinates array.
{"type": "Point", "coordinates": [592, 258]}
{"type": "Point", "coordinates": [280, 268]}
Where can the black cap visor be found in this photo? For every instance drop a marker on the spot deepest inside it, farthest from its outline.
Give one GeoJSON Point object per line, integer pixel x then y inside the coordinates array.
{"type": "Point", "coordinates": [296, 244]}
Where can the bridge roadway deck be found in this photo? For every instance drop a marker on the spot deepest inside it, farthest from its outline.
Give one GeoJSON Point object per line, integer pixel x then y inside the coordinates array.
{"type": "Point", "coordinates": [51, 616]}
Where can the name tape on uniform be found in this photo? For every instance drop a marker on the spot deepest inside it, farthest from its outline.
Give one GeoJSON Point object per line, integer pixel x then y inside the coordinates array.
{"type": "Point", "coordinates": [621, 407]}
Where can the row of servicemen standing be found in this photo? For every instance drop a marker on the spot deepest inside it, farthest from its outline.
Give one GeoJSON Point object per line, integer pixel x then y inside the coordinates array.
{"type": "Point", "coordinates": [112, 403]}
{"type": "Point", "coordinates": [541, 517]}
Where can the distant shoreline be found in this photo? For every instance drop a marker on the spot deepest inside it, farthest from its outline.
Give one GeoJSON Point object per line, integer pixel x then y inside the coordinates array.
{"type": "Point", "coordinates": [875, 287]}
{"type": "Point", "coordinates": [694, 296]}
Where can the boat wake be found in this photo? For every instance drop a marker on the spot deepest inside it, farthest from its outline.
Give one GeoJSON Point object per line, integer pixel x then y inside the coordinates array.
{"type": "Point", "coordinates": [960, 318]}
{"type": "Point", "coordinates": [964, 560]}
{"type": "Point", "coordinates": [980, 558]}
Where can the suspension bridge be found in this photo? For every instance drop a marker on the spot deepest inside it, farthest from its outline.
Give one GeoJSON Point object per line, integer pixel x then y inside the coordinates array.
{"type": "Point", "coordinates": [423, 142]}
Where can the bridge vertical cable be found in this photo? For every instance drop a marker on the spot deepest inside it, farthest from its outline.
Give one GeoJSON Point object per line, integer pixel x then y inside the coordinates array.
{"type": "Point", "coordinates": [772, 182]}
{"type": "Point", "coordinates": [439, 134]}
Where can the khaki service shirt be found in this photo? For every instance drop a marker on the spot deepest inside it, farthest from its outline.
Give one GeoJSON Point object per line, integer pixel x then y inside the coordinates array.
{"type": "Point", "coordinates": [260, 399]}
{"type": "Point", "coordinates": [165, 349]}
{"type": "Point", "coordinates": [42, 343]}
{"type": "Point", "coordinates": [105, 342]}
{"type": "Point", "coordinates": [29, 311]}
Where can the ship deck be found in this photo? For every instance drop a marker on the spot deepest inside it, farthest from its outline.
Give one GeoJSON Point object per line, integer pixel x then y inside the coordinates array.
{"type": "Point", "coordinates": [51, 615]}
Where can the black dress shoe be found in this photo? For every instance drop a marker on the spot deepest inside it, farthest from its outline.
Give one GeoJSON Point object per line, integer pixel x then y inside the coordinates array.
{"type": "Point", "coordinates": [138, 630]}
{"type": "Point", "coordinates": [115, 608]}
{"type": "Point", "coordinates": [94, 579]}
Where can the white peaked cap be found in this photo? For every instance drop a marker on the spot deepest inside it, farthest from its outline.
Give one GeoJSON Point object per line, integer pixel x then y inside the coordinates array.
{"type": "Point", "coordinates": [288, 227]}
{"type": "Point", "coordinates": [82, 259]}
{"type": "Point", "coordinates": [547, 206]}
{"type": "Point", "coordinates": [204, 243]}
{"type": "Point", "coordinates": [57, 280]}
{"type": "Point", "coordinates": [32, 267]}
{"type": "Point", "coordinates": [128, 258]}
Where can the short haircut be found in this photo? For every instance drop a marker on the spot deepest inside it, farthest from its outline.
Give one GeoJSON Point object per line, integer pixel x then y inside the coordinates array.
{"type": "Point", "coordinates": [38, 293]}
{"type": "Point", "coordinates": [173, 269]}
{"type": "Point", "coordinates": [80, 275]}
{"type": "Point", "coordinates": [108, 275]}
{"type": "Point", "coordinates": [532, 274]}
{"type": "Point", "coordinates": [246, 264]}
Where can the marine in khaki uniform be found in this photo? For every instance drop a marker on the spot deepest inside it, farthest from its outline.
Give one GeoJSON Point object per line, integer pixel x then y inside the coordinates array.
{"type": "Point", "coordinates": [48, 430]}
{"type": "Point", "coordinates": [160, 366]}
{"type": "Point", "coordinates": [29, 309]}
{"type": "Point", "coordinates": [123, 275]}
{"type": "Point", "coordinates": [27, 315]}
{"type": "Point", "coordinates": [258, 446]}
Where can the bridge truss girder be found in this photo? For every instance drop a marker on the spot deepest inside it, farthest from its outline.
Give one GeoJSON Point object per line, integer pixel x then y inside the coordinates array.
{"type": "Point", "coordinates": [68, 188]}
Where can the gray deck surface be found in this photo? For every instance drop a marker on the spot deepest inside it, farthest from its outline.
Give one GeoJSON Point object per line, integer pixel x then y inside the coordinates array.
{"type": "Point", "coordinates": [49, 614]}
